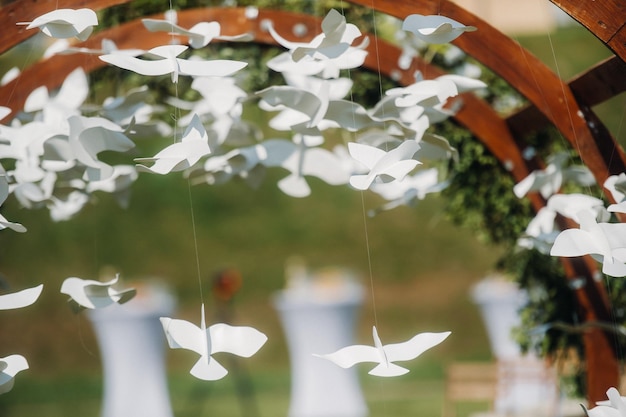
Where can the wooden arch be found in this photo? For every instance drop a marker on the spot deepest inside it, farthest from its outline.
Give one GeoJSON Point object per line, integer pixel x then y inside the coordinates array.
{"type": "Point", "coordinates": [553, 101]}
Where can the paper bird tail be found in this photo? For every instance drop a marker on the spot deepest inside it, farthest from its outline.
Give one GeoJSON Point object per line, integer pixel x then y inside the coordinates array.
{"type": "Point", "coordinates": [388, 370]}
{"type": "Point", "coordinates": [209, 370]}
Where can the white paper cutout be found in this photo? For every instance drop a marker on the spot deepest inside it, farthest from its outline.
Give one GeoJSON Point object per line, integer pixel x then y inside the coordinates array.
{"type": "Point", "coordinates": [302, 158]}
{"type": "Point", "coordinates": [396, 163]}
{"type": "Point", "coordinates": [9, 76]}
{"type": "Point", "coordinates": [385, 355]}
{"type": "Point", "coordinates": [410, 190]}
{"type": "Point", "coordinates": [307, 108]}
{"type": "Point", "coordinates": [107, 46]}
{"type": "Point", "coordinates": [335, 39]}
{"type": "Point", "coordinates": [92, 294]}
{"type": "Point", "coordinates": [89, 136]}
{"type": "Point", "coordinates": [200, 35]}
{"type": "Point", "coordinates": [56, 109]}
{"type": "Point", "coordinates": [21, 298]}
{"type": "Point", "coordinates": [615, 406]}
{"type": "Point", "coordinates": [238, 340]}
{"type": "Point", "coordinates": [548, 181]}
{"type": "Point", "coordinates": [616, 184]}
{"type": "Point", "coordinates": [117, 184]}
{"type": "Point", "coordinates": [4, 193]}
{"type": "Point", "coordinates": [181, 155]}
{"type": "Point", "coordinates": [435, 28]}
{"type": "Point", "coordinates": [9, 367]}
{"type": "Point", "coordinates": [65, 23]}
{"type": "Point", "coordinates": [168, 63]}
{"type": "Point", "coordinates": [605, 242]}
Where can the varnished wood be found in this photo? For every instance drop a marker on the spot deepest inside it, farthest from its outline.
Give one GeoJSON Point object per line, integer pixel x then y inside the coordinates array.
{"type": "Point", "coordinates": [606, 19]}
{"type": "Point", "coordinates": [596, 85]}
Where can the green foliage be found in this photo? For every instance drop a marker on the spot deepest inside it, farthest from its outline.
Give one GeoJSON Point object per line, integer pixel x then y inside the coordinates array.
{"type": "Point", "coordinates": [480, 195]}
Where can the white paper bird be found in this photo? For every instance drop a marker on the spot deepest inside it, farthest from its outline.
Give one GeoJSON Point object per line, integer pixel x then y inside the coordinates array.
{"type": "Point", "coordinates": [616, 184]}
{"type": "Point", "coordinates": [307, 108]}
{"type": "Point", "coordinates": [168, 63]}
{"type": "Point", "coordinates": [21, 298]}
{"type": "Point", "coordinates": [65, 23]}
{"type": "Point", "coordinates": [9, 367]}
{"type": "Point", "coordinates": [396, 163]}
{"type": "Point", "coordinates": [605, 242]}
{"type": "Point", "coordinates": [435, 28]}
{"type": "Point", "coordinates": [385, 355]}
{"type": "Point", "coordinates": [548, 181]}
{"type": "Point", "coordinates": [181, 155]}
{"type": "Point", "coordinates": [410, 190]}
{"type": "Point", "coordinates": [336, 37]}
{"type": "Point", "coordinates": [92, 294]}
{"type": "Point", "coordinates": [238, 340]}
{"type": "Point", "coordinates": [615, 406]}
{"type": "Point", "coordinates": [89, 136]}
{"type": "Point", "coordinates": [200, 35]}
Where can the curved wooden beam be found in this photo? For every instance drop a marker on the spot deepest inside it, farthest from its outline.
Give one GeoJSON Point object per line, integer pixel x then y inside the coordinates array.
{"type": "Point", "coordinates": [603, 81]}
{"type": "Point", "coordinates": [606, 19]}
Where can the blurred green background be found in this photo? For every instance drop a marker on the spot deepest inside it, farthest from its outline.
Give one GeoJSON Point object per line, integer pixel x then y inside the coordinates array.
{"type": "Point", "coordinates": [422, 268]}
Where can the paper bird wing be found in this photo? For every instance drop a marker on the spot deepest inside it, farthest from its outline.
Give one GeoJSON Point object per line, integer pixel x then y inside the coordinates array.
{"type": "Point", "coordinates": [21, 298]}
{"type": "Point", "coordinates": [238, 340]}
{"type": "Point", "coordinates": [365, 154]}
{"type": "Point", "coordinates": [574, 242]}
{"type": "Point", "coordinates": [351, 355]}
{"type": "Point", "coordinates": [212, 68]}
{"type": "Point", "coordinates": [140, 66]}
{"type": "Point", "coordinates": [182, 334]}
{"type": "Point", "coordinates": [9, 367]}
{"type": "Point", "coordinates": [296, 99]}
{"type": "Point", "coordinates": [414, 347]}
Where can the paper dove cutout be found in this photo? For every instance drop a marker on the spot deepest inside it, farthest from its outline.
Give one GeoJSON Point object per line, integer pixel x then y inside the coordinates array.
{"type": "Point", "coordinates": [220, 337]}
{"type": "Point", "coordinates": [616, 184]}
{"type": "Point", "coordinates": [92, 294]}
{"type": "Point", "coordinates": [408, 191]}
{"type": "Point", "coordinates": [9, 367]}
{"type": "Point", "coordinates": [65, 23]}
{"type": "Point", "coordinates": [615, 406]}
{"type": "Point", "coordinates": [200, 35]}
{"type": "Point", "coordinates": [385, 355]}
{"type": "Point", "coordinates": [335, 39]}
{"type": "Point", "coordinates": [181, 155]}
{"type": "Point", "coordinates": [605, 242]}
{"type": "Point", "coordinates": [91, 135]}
{"type": "Point", "coordinates": [396, 163]}
{"type": "Point", "coordinates": [168, 63]}
{"type": "Point", "coordinates": [4, 193]}
{"type": "Point", "coordinates": [434, 28]}
{"type": "Point", "coordinates": [549, 180]}
{"type": "Point", "coordinates": [20, 299]}
{"type": "Point", "coordinates": [309, 107]}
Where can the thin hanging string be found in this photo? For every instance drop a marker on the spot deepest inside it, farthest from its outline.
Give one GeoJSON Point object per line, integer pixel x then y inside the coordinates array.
{"type": "Point", "coordinates": [367, 244]}
{"type": "Point", "coordinates": [195, 241]}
